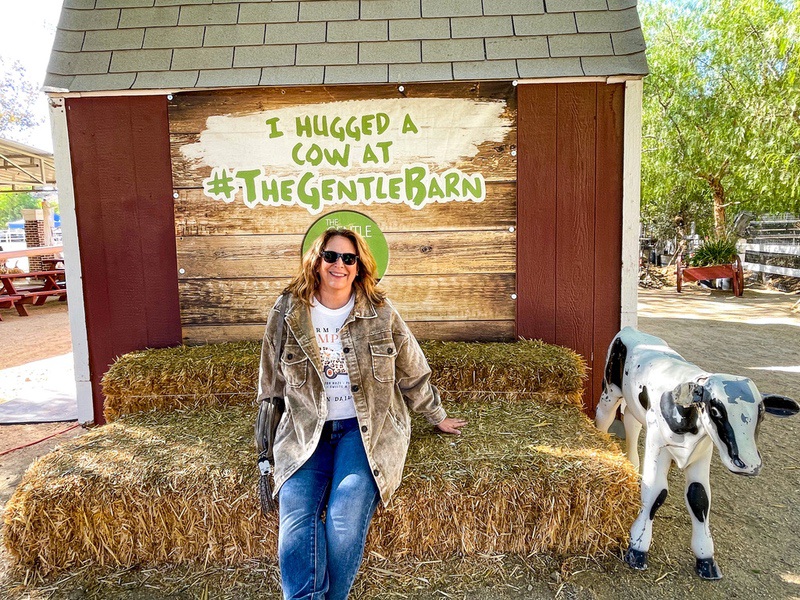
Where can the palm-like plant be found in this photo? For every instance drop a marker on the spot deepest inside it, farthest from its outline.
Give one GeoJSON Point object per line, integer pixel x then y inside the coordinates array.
{"type": "Point", "coordinates": [719, 251]}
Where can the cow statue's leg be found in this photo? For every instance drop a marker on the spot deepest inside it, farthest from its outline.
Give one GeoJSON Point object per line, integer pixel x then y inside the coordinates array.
{"type": "Point", "coordinates": [632, 430]}
{"type": "Point", "coordinates": [610, 399]}
{"type": "Point", "coordinates": [698, 502]}
{"type": "Point", "coordinates": [654, 491]}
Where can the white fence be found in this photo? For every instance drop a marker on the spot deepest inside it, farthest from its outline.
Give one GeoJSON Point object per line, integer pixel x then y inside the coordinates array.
{"type": "Point", "coordinates": [774, 246]}
{"type": "Point", "coordinates": [11, 235]}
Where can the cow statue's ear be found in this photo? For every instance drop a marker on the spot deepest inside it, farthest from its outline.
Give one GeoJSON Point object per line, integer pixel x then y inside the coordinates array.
{"type": "Point", "coordinates": [688, 393]}
{"type": "Point", "coordinates": [780, 406]}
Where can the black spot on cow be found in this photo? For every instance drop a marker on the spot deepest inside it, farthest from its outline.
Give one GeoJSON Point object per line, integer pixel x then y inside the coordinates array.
{"type": "Point", "coordinates": [739, 390]}
{"type": "Point", "coordinates": [657, 504]}
{"type": "Point", "coordinates": [636, 559]}
{"type": "Point", "coordinates": [616, 363]}
{"type": "Point", "coordinates": [699, 393]}
{"type": "Point", "coordinates": [721, 421]}
{"type": "Point", "coordinates": [644, 399]}
{"type": "Point", "coordinates": [680, 419]}
{"type": "Point", "coordinates": [698, 500]}
{"type": "Point", "coordinates": [707, 568]}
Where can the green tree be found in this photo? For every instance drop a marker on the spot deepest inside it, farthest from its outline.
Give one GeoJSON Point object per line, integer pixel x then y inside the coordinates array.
{"type": "Point", "coordinates": [17, 96]}
{"type": "Point", "coordinates": [721, 111]}
{"type": "Point", "coordinates": [12, 204]}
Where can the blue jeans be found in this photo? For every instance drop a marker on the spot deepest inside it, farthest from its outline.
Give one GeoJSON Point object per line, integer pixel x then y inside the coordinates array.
{"type": "Point", "coordinates": [319, 558]}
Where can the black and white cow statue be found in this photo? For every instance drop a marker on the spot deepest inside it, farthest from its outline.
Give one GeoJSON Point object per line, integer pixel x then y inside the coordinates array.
{"type": "Point", "coordinates": [687, 412]}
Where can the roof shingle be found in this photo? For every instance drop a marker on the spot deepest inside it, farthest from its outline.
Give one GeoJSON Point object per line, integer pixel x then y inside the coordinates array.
{"type": "Point", "coordinates": [105, 45]}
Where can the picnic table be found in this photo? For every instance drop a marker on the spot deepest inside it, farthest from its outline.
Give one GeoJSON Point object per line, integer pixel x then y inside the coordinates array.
{"type": "Point", "coordinates": [18, 297]}
{"type": "Point", "coordinates": [51, 264]}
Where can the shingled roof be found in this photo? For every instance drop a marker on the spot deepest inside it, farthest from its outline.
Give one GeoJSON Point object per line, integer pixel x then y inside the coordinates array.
{"type": "Point", "coordinates": [105, 45]}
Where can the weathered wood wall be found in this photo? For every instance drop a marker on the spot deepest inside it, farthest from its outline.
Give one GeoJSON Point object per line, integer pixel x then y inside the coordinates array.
{"type": "Point", "coordinates": [569, 260]}
{"type": "Point", "coordinates": [452, 265]}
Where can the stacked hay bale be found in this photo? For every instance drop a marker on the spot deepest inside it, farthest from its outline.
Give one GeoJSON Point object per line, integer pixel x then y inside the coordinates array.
{"type": "Point", "coordinates": [226, 374]}
{"type": "Point", "coordinates": [173, 478]}
{"type": "Point", "coordinates": [188, 376]}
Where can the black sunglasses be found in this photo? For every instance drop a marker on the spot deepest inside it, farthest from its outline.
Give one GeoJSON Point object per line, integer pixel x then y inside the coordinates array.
{"type": "Point", "coordinates": [329, 256]}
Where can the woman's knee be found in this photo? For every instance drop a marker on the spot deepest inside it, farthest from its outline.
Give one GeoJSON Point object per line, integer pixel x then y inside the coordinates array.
{"type": "Point", "coordinates": [300, 504]}
{"type": "Point", "coordinates": [354, 489]}
{"type": "Point", "coordinates": [352, 505]}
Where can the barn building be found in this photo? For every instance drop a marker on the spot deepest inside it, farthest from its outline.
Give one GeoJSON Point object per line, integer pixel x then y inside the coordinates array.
{"type": "Point", "coordinates": [491, 148]}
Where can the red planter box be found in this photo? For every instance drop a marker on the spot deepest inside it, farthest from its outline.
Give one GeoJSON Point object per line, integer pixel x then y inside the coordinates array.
{"type": "Point", "coordinates": [731, 271]}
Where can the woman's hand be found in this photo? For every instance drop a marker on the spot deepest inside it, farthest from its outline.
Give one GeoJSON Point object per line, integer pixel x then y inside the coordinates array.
{"type": "Point", "coordinates": [450, 425]}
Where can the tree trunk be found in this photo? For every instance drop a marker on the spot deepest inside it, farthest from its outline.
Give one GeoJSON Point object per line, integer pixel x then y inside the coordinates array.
{"type": "Point", "coordinates": [718, 193]}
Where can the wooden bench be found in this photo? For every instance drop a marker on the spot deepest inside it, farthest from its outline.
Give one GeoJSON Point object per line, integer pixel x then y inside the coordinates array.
{"type": "Point", "coordinates": [36, 295]}
{"type": "Point", "coordinates": [9, 302]}
{"type": "Point", "coordinates": [40, 296]}
{"type": "Point", "coordinates": [52, 263]}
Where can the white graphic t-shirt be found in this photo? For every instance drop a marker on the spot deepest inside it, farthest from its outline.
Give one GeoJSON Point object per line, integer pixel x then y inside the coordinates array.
{"type": "Point", "coordinates": [327, 323]}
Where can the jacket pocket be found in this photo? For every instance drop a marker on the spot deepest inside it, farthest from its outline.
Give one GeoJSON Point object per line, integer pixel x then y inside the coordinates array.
{"type": "Point", "coordinates": [383, 356]}
{"type": "Point", "coordinates": [294, 365]}
{"type": "Point", "coordinates": [402, 423]}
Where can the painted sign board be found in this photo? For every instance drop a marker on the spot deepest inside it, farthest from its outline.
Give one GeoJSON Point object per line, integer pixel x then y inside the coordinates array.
{"type": "Point", "coordinates": [433, 169]}
{"type": "Point", "coordinates": [355, 152]}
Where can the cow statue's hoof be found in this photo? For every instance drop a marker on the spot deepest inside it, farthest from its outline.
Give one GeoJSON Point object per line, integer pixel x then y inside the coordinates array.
{"type": "Point", "coordinates": [707, 568]}
{"type": "Point", "coordinates": [636, 559]}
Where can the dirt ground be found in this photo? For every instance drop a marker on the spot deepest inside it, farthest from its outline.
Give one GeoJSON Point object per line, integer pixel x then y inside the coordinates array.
{"type": "Point", "coordinates": [755, 521]}
{"type": "Point", "coordinates": [43, 334]}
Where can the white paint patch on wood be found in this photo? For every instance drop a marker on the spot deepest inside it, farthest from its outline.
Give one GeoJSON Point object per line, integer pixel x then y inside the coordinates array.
{"type": "Point", "coordinates": [449, 130]}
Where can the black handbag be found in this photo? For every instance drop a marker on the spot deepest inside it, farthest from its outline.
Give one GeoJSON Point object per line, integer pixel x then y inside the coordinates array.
{"type": "Point", "coordinates": [270, 411]}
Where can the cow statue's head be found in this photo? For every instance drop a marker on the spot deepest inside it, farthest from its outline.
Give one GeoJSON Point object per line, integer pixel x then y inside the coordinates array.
{"type": "Point", "coordinates": [730, 409]}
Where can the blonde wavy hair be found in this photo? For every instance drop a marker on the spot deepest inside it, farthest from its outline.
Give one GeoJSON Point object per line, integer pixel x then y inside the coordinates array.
{"type": "Point", "coordinates": [306, 282]}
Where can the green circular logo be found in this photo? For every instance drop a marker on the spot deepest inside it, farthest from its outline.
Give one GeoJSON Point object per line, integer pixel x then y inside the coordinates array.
{"type": "Point", "coordinates": [359, 223]}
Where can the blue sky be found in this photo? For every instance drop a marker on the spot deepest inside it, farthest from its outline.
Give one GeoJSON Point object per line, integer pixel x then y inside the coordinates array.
{"type": "Point", "coordinates": [28, 31]}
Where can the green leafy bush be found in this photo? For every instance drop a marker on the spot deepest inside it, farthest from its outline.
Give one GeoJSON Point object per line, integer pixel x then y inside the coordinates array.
{"type": "Point", "coordinates": [721, 251]}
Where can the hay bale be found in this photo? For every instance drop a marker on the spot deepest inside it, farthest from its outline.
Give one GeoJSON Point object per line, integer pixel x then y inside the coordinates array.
{"type": "Point", "coordinates": [518, 370]}
{"type": "Point", "coordinates": [148, 489]}
{"type": "Point", "coordinates": [181, 377]}
{"type": "Point", "coordinates": [177, 487]}
{"type": "Point", "coordinates": [226, 374]}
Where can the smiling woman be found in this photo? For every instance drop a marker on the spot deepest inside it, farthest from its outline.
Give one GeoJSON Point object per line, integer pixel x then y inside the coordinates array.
{"type": "Point", "coordinates": [337, 270]}
{"type": "Point", "coordinates": [352, 369]}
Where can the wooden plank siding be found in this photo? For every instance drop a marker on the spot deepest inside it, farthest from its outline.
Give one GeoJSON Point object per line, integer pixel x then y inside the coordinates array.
{"type": "Point", "coordinates": [122, 185]}
{"type": "Point", "coordinates": [412, 253]}
{"type": "Point", "coordinates": [569, 215]}
{"type": "Point", "coordinates": [198, 215]}
{"type": "Point", "coordinates": [190, 111]}
{"type": "Point", "coordinates": [452, 265]}
{"type": "Point", "coordinates": [536, 211]}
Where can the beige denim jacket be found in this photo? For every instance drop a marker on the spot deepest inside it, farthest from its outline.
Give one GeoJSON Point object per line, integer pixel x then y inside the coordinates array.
{"type": "Point", "coordinates": [388, 374]}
